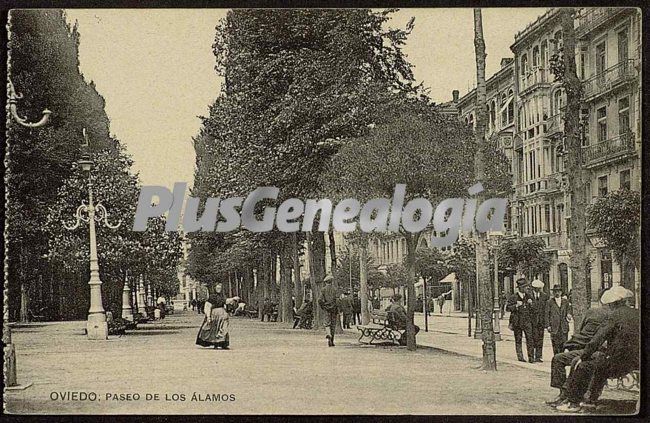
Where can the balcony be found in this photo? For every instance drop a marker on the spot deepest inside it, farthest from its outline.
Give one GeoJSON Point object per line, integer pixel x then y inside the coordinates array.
{"type": "Point", "coordinates": [592, 18]}
{"type": "Point", "coordinates": [609, 79]}
{"type": "Point", "coordinates": [554, 124]}
{"type": "Point", "coordinates": [604, 152]}
{"type": "Point", "coordinates": [545, 185]}
{"type": "Point", "coordinates": [535, 77]}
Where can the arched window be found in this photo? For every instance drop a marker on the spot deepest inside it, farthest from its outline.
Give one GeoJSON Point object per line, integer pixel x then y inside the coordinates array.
{"type": "Point", "coordinates": [558, 101]}
{"type": "Point", "coordinates": [493, 112]}
{"type": "Point", "coordinates": [524, 64]}
{"type": "Point", "coordinates": [471, 120]}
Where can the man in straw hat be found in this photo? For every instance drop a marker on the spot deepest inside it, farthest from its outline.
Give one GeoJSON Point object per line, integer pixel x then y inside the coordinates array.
{"type": "Point", "coordinates": [520, 308]}
{"type": "Point", "coordinates": [620, 357]}
{"type": "Point", "coordinates": [572, 349]}
{"type": "Point", "coordinates": [538, 318]}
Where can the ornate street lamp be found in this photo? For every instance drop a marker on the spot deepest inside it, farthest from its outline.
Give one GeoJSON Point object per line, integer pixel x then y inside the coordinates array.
{"type": "Point", "coordinates": [13, 100]}
{"type": "Point", "coordinates": [96, 327]}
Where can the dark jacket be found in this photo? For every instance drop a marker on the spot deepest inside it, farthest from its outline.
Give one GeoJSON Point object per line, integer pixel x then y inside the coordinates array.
{"type": "Point", "coordinates": [591, 322]}
{"type": "Point", "coordinates": [556, 317]}
{"type": "Point", "coordinates": [521, 316]}
{"type": "Point", "coordinates": [621, 331]}
{"type": "Point", "coordinates": [345, 305]}
{"type": "Point", "coordinates": [328, 300]}
{"type": "Point", "coordinates": [305, 309]}
{"type": "Point", "coordinates": [397, 316]}
{"type": "Point", "coordinates": [217, 300]}
{"type": "Point", "coordinates": [538, 310]}
{"type": "Point", "coordinates": [356, 304]}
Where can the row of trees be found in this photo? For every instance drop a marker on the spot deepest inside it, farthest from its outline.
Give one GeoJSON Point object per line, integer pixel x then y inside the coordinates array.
{"type": "Point", "coordinates": [48, 265]}
{"type": "Point", "coordinates": [323, 105]}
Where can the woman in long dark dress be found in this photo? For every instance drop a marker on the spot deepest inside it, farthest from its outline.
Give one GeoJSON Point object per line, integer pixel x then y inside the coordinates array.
{"type": "Point", "coordinates": [214, 330]}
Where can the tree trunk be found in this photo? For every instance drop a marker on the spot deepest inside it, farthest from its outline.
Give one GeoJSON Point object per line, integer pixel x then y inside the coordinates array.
{"type": "Point", "coordinates": [316, 253]}
{"type": "Point", "coordinates": [297, 281]}
{"type": "Point", "coordinates": [286, 308]}
{"type": "Point", "coordinates": [332, 246]}
{"type": "Point", "coordinates": [574, 169]}
{"type": "Point", "coordinates": [247, 282]}
{"type": "Point", "coordinates": [363, 281]}
{"type": "Point", "coordinates": [482, 257]}
{"type": "Point", "coordinates": [411, 243]}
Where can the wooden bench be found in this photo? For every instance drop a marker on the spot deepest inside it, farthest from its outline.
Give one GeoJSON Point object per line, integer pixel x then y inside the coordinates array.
{"type": "Point", "coordinates": [379, 330]}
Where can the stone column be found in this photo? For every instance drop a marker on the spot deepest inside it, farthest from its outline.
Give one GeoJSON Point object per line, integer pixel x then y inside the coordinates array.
{"type": "Point", "coordinates": [141, 300]}
{"type": "Point", "coordinates": [127, 310]}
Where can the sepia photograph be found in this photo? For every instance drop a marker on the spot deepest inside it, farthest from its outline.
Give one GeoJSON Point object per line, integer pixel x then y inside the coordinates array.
{"type": "Point", "coordinates": [323, 211]}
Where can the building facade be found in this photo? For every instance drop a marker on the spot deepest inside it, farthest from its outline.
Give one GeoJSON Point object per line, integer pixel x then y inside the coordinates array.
{"type": "Point", "coordinates": [608, 57]}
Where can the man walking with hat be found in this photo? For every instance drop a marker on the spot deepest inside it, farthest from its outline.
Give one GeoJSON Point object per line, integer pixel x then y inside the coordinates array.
{"type": "Point", "coordinates": [557, 319]}
{"type": "Point", "coordinates": [621, 356]}
{"type": "Point", "coordinates": [538, 318]}
{"type": "Point", "coordinates": [520, 308]}
{"type": "Point", "coordinates": [328, 302]}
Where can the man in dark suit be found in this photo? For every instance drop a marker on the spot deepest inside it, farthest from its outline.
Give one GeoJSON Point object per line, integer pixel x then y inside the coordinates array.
{"type": "Point", "coordinates": [538, 318]}
{"type": "Point", "coordinates": [621, 356]}
{"type": "Point", "coordinates": [328, 301]}
{"type": "Point", "coordinates": [520, 308]}
{"type": "Point", "coordinates": [592, 321]}
{"type": "Point", "coordinates": [557, 319]}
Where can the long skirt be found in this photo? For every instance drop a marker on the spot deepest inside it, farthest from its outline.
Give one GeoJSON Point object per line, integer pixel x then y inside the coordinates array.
{"type": "Point", "coordinates": [215, 332]}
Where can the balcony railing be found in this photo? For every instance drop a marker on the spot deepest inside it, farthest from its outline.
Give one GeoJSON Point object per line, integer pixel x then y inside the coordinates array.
{"type": "Point", "coordinates": [535, 76]}
{"type": "Point", "coordinates": [592, 17]}
{"type": "Point", "coordinates": [612, 148]}
{"type": "Point", "coordinates": [555, 124]}
{"type": "Point", "coordinates": [608, 79]}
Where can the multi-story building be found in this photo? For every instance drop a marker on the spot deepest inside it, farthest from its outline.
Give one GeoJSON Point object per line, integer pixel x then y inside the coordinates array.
{"type": "Point", "coordinates": [525, 119]}
{"type": "Point", "coordinates": [609, 63]}
{"type": "Point", "coordinates": [608, 55]}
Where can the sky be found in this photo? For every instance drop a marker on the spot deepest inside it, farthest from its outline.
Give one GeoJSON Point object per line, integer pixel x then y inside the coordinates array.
{"type": "Point", "coordinates": [155, 69]}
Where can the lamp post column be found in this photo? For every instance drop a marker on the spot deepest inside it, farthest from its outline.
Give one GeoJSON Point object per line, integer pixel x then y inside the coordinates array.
{"type": "Point", "coordinates": [127, 310]}
{"type": "Point", "coordinates": [96, 326]}
{"type": "Point", "coordinates": [497, 310]}
{"type": "Point", "coordinates": [142, 309]}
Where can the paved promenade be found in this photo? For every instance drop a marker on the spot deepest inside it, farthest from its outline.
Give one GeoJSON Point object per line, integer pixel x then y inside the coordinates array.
{"type": "Point", "coordinates": [271, 368]}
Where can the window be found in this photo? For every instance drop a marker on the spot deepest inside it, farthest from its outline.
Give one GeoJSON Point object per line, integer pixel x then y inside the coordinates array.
{"type": "Point", "coordinates": [601, 116]}
{"type": "Point", "coordinates": [547, 218]}
{"type": "Point", "coordinates": [535, 56]}
{"type": "Point", "coordinates": [623, 115]}
{"type": "Point", "coordinates": [584, 53]}
{"type": "Point", "coordinates": [493, 119]}
{"type": "Point", "coordinates": [602, 186]}
{"type": "Point", "coordinates": [601, 58]}
{"type": "Point", "coordinates": [524, 65]}
{"type": "Point", "coordinates": [558, 102]}
{"type": "Point", "coordinates": [622, 46]}
{"type": "Point", "coordinates": [557, 40]}
{"type": "Point", "coordinates": [625, 179]}
{"type": "Point", "coordinates": [544, 59]}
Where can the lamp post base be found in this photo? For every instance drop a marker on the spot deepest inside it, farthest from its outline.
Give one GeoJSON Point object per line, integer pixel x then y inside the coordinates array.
{"type": "Point", "coordinates": [96, 327]}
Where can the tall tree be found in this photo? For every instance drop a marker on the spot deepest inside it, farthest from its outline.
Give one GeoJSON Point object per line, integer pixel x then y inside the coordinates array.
{"type": "Point", "coordinates": [563, 65]}
{"type": "Point", "coordinates": [486, 298]}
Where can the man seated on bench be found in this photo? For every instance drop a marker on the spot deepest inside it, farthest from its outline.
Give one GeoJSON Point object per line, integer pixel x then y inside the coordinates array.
{"type": "Point", "coordinates": [303, 315]}
{"type": "Point", "coordinates": [397, 317]}
{"type": "Point", "coordinates": [621, 356]}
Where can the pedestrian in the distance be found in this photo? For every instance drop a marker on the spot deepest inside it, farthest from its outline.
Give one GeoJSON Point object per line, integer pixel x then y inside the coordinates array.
{"type": "Point", "coordinates": [328, 302]}
{"type": "Point", "coordinates": [347, 310]}
{"type": "Point", "coordinates": [503, 300]}
{"type": "Point", "coordinates": [267, 309]}
{"type": "Point", "coordinates": [441, 302]}
{"type": "Point", "coordinates": [214, 330]}
{"type": "Point", "coordinates": [519, 305]}
{"type": "Point", "coordinates": [557, 317]}
{"type": "Point", "coordinates": [538, 315]}
{"type": "Point", "coordinates": [356, 309]}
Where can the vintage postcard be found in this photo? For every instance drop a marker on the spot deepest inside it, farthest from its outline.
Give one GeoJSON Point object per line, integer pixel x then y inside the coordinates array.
{"type": "Point", "coordinates": [409, 211]}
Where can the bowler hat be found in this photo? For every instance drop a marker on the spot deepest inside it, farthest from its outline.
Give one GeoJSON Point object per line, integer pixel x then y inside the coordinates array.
{"type": "Point", "coordinates": [522, 282]}
{"type": "Point", "coordinates": [557, 287]}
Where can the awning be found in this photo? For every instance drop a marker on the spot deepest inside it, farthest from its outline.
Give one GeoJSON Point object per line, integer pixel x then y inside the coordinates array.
{"type": "Point", "coordinates": [449, 278]}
